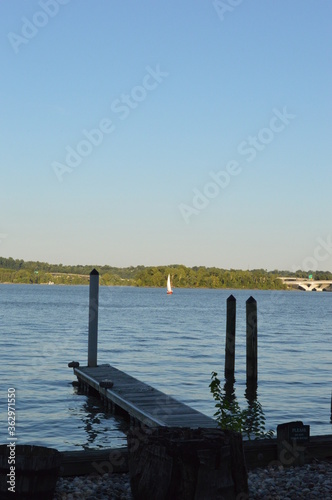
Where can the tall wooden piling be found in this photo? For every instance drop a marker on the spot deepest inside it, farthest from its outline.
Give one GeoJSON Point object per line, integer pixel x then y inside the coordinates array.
{"type": "Point", "coordinates": [93, 318]}
{"type": "Point", "coordinates": [251, 314]}
{"type": "Point", "coordinates": [230, 338]}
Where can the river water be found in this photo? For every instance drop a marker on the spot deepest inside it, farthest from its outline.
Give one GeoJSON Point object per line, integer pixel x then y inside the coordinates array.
{"type": "Point", "coordinates": [171, 342]}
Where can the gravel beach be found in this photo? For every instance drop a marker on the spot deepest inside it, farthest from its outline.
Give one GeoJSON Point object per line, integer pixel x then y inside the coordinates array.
{"type": "Point", "coordinates": [309, 482]}
{"type": "Point", "coordinates": [108, 486]}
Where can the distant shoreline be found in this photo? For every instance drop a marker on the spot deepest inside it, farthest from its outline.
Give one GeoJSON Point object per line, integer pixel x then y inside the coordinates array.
{"type": "Point", "coordinates": [20, 272]}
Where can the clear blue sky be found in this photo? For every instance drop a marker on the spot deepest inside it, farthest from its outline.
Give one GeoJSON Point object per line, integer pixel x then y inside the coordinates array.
{"type": "Point", "coordinates": [177, 89]}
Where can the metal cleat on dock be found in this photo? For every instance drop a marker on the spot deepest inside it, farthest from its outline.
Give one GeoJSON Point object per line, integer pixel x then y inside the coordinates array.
{"type": "Point", "coordinates": [73, 364]}
{"type": "Point", "coordinates": [106, 383]}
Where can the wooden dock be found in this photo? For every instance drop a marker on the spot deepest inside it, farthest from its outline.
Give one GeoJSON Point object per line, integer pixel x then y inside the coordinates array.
{"type": "Point", "coordinates": [147, 406]}
{"type": "Point", "coordinates": [140, 401]}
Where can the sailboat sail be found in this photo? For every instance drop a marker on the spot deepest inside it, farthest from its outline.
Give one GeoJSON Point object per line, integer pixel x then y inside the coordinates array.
{"type": "Point", "coordinates": [169, 288]}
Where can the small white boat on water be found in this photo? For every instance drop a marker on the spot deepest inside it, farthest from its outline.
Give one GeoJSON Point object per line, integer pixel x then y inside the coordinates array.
{"type": "Point", "coordinates": [169, 288]}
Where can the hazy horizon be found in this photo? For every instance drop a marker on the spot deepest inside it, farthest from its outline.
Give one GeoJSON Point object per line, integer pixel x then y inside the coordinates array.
{"type": "Point", "coordinates": [98, 264]}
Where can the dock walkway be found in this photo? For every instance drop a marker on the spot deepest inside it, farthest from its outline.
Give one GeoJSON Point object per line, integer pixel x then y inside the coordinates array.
{"type": "Point", "coordinates": [139, 400]}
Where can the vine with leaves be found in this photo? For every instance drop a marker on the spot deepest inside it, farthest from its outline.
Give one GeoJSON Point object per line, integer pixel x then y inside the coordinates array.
{"type": "Point", "coordinates": [250, 422]}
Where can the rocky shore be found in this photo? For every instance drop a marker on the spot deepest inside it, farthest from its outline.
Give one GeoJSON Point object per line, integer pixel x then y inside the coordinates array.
{"type": "Point", "coordinates": [93, 487]}
{"type": "Point", "coordinates": [309, 482]}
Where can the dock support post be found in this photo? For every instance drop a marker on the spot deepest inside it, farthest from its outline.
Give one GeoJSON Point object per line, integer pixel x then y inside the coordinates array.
{"type": "Point", "coordinates": [93, 318]}
{"type": "Point", "coordinates": [251, 310]}
{"type": "Point", "coordinates": [230, 338]}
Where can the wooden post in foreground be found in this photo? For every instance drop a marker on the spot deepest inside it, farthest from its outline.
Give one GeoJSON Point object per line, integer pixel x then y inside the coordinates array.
{"type": "Point", "coordinates": [251, 310]}
{"type": "Point", "coordinates": [203, 463]}
{"type": "Point", "coordinates": [230, 338]}
{"type": "Point", "coordinates": [93, 318]}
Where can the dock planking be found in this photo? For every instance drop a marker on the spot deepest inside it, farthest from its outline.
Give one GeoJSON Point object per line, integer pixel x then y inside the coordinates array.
{"type": "Point", "coordinates": [141, 401]}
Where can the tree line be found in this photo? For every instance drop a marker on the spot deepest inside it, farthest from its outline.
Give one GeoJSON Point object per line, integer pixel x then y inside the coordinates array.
{"type": "Point", "coordinates": [208, 277]}
{"type": "Point", "coordinates": [35, 272]}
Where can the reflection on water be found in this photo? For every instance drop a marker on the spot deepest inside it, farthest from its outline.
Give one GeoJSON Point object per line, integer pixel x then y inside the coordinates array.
{"type": "Point", "coordinates": [250, 421]}
{"type": "Point", "coordinates": [101, 428]}
{"type": "Point", "coordinates": [255, 414]}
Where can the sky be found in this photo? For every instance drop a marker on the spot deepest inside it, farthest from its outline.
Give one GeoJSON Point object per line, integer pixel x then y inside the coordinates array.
{"type": "Point", "coordinates": [158, 133]}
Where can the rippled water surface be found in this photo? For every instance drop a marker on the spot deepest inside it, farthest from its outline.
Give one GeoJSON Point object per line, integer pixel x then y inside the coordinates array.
{"type": "Point", "coordinates": [171, 342]}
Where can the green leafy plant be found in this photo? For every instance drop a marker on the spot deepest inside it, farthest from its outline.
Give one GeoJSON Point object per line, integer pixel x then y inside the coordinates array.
{"type": "Point", "coordinates": [250, 421]}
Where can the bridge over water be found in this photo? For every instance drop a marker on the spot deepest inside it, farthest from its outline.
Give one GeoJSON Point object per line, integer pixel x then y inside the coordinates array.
{"type": "Point", "coordinates": [306, 284]}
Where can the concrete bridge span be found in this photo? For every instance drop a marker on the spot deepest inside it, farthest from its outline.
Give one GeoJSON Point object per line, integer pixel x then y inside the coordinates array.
{"type": "Point", "coordinates": [306, 284]}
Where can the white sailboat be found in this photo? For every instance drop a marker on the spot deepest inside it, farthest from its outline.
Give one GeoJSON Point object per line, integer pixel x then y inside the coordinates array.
{"type": "Point", "coordinates": [169, 288]}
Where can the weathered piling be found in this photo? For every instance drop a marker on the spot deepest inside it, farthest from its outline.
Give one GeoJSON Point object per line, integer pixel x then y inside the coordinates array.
{"type": "Point", "coordinates": [251, 314]}
{"type": "Point", "coordinates": [230, 338]}
{"type": "Point", "coordinates": [173, 463]}
{"type": "Point", "coordinates": [93, 318]}
{"type": "Point", "coordinates": [34, 474]}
